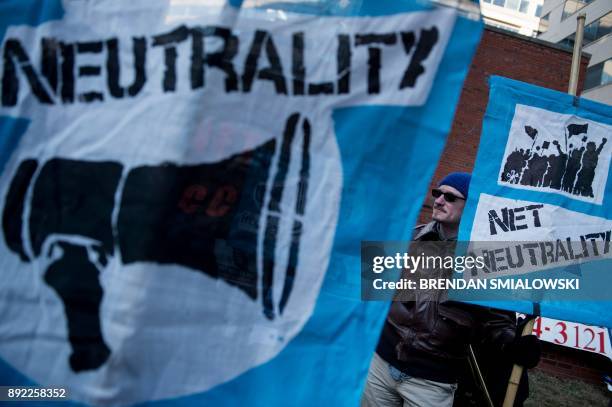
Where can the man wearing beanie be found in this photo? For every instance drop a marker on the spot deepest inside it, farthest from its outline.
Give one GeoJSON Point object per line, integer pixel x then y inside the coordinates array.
{"type": "Point", "coordinates": [447, 211]}
{"type": "Point", "coordinates": [424, 342]}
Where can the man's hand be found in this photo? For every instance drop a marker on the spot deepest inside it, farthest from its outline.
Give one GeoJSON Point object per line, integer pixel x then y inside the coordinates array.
{"type": "Point", "coordinates": [525, 351]}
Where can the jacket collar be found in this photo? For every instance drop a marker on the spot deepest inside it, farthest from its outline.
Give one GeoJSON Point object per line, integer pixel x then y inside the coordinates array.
{"type": "Point", "coordinates": [435, 229]}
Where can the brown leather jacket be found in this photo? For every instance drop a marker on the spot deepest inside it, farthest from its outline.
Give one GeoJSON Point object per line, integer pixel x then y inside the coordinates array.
{"type": "Point", "coordinates": [428, 337]}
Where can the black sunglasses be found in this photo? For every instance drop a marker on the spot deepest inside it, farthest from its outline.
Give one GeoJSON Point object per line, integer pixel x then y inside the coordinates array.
{"type": "Point", "coordinates": [448, 197]}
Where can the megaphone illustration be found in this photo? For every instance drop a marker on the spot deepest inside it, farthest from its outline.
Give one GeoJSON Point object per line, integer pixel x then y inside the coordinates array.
{"type": "Point", "coordinates": [211, 218]}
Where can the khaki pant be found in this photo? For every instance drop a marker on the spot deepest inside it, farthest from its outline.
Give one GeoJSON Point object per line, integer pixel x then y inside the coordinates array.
{"type": "Point", "coordinates": [388, 387]}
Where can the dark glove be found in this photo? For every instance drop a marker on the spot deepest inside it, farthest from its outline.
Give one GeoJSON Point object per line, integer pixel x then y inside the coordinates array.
{"type": "Point", "coordinates": [525, 351]}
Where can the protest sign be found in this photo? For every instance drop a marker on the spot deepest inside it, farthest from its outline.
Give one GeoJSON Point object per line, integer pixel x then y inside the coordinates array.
{"type": "Point", "coordinates": [185, 186]}
{"type": "Point", "coordinates": [541, 192]}
{"type": "Point", "coordinates": [594, 339]}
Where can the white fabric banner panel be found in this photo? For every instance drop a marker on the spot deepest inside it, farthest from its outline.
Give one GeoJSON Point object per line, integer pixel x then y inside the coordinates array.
{"type": "Point", "coordinates": [184, 186]}
{"type": "Point", "coordinates": [594, 339]}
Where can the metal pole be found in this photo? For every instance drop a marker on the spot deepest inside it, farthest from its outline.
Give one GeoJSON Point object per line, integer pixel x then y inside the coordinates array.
{"type": "Point", "coordinates": [576, 55]}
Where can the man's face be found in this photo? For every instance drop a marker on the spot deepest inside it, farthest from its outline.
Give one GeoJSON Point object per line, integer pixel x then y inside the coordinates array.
{"type": "Point", "coordinates": [448, 212]}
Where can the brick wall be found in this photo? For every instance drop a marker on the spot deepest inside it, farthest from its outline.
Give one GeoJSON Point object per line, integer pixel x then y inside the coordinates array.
{"type": "Point", "coordinates": [573, 363]}
{"type": "Point", "coordinates": [509, 55]}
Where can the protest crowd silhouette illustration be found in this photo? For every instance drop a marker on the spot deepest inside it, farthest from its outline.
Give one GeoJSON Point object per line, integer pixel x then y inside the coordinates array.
{"type": "Point", "coordinates": [570, 169]}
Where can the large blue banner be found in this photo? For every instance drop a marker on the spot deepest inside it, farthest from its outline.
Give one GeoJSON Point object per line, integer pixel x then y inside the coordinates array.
{"type": "Point", "coordinates": [185, 186]}
{"type": "Point", "coordinates": [541, 200]}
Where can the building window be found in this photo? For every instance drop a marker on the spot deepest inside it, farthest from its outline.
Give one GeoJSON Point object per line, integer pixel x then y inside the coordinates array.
{"type": "Point", "coordinates": [543, 27]}
{"type": "Point", "coordinates": [598, 74]}
{"type": "Point", "coordinates": [524, 6]}
{"type": "Point", "coordinates": [512, 4]}
{"type": "Point", "coordinates": [571, 6]}
{"type": "Point", "coordinates": [568, 41]}
{"type": "Point", "coordinates": [597, 29]}
{"type": "Point", "coordinates": [592, 32]}
{"type": "Point", "coordinates": [516, 5]}
{"type": "Point", "coordinates": [538, 10]}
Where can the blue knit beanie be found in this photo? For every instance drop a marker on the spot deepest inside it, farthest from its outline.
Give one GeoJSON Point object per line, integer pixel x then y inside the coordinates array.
{"type": "Point", "coordinates": [458, 180]}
